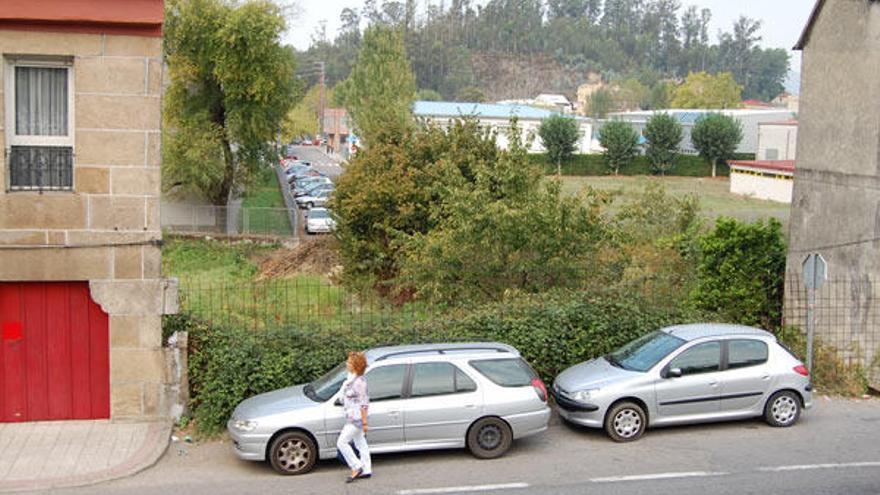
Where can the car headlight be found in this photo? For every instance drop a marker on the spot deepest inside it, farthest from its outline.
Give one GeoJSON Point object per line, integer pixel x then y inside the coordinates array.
{"type": "Point", "coordinates": [244, 425]}
{"type": "Point", "coordinates": [584, 395]}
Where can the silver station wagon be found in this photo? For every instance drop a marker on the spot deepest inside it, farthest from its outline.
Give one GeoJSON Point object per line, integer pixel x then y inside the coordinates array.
{"type": "Point", "coordinates": [685, 374]}
{"type": "Point", "coordinates": [434, 396]}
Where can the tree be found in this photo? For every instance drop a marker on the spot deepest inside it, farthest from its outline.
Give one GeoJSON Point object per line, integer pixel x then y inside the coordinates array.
{"type": "Point", "coordinates": [631, 94]}
{"type": "Point", "coordinates": [600, 103]}
{"type": "Point", "coordinates": [695, 40]}
{"type": "Point", "coordinates": [716, 137]}
{"type": "Point", "coordinates": [381, 89]}
{"type": "Point", "coordinates": [471, 94]}
{"type": "Point", "coordinates": [663, 135]}
{"type": "Point", "coordinates": [737, 49]}
{"type": "Point", "coordinates": [702, 90]}
{"type": "Point", "coordinates": [304, 118]}
{"type": "Point", "coordinates": [231, 84]}
{"type": "Point", "coordinates": [498, 228]}
{"type": "Point", "coordinates": [389, 191]}
{"type": "Point", "coordinates": [559, 135]}
{"type": "Point", "coordinates": [428, 95]}
{"type": "Point", "coordinates": [767, 72]}
{"type": "Point", "coordinates": [660, 95]}
{"type": "Point", "coordinates": [621, 143]}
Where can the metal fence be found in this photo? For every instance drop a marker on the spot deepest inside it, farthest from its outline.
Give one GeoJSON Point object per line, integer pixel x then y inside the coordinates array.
{"type": "Point", "coordinates": [304, 301]}
{"type": "Point", "coordinates": [234, 220]}
{"type": "Point", "coordinates": [846, 318]}
{"type": "Point", "coordinates": [847, 312]}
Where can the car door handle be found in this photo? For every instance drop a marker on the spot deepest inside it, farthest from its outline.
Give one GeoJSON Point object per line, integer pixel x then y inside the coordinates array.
{"type": "Point", "coordinates": [713, 383]}
{"type": "Point", "coordinates": [469, 406]}
{"type": "Point", "coordinates": [765, 376]}
{"type": "Point", "coordinates": [393, 413]}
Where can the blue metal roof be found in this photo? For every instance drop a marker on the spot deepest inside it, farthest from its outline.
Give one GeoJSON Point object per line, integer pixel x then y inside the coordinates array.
{"type": "Point", "coordinates": [453, 109]}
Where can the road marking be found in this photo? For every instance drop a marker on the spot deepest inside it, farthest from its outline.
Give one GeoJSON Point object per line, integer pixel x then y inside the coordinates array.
{"type": "Point", "coordinates": [463, 489]}
{"type": "Point", "coordinates": [657, 476]}
{"type": "Point", "coordinates": [803, 467]}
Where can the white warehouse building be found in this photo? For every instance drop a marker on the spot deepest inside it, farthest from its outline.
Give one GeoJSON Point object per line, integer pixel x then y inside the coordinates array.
{"type": "Point", "coordinates": [750, 120]}
{"type": "Point", "coordinates": [497, 117]}
{"type": "Point", "coordinates": [771, 175]}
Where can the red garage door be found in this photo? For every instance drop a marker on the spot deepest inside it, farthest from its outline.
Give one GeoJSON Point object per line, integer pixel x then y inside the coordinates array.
{"type": "Point", "coordinates": [54, 353]}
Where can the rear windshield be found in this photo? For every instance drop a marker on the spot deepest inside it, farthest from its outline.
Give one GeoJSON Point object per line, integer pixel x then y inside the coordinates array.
{"type": "Point", "coordinates": [511, 372]}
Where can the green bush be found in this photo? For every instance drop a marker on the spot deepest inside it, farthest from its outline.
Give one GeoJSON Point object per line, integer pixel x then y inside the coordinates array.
{"type": "Point", "coordinates": [585, 165]}
{"type": "Point", "coordinates": [741, 272]}
{"type": "Point", "coordinates": [228, 365]}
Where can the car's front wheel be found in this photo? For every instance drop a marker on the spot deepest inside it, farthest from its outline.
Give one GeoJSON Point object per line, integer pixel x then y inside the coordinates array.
{"type": "Point", "coordinates": [489, 438]}
{"type": "Point", "coordinates": [310, 205]}
{"type": "Point", "coordinates": [783, 409]}
{"type": "Point", "coordinates": [625, 422]}
{"type": "Point", "coordinates": [293, 453]}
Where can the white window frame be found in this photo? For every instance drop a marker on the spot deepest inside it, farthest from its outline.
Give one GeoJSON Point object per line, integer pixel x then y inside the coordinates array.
{"type": "Point", "coordinates": [13, 139]}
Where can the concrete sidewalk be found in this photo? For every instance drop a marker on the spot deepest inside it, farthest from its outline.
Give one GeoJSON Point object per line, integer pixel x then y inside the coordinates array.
{"type": "Point", "coordinates": [39, 456]}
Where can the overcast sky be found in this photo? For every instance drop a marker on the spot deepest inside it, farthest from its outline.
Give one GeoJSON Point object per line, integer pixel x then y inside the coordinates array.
{"type": "Point", "coordinates": [782, 20]}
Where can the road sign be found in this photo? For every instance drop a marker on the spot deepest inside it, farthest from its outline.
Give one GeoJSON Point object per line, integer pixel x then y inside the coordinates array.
{"type": "Point", "coordinates": [815, 271]}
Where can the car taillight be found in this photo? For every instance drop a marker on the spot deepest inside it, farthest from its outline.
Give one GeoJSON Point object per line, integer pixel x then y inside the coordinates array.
{"type": "Point", "coordinates": [801, 370]}
{"type": "Point", "coordinates": [540, 389]}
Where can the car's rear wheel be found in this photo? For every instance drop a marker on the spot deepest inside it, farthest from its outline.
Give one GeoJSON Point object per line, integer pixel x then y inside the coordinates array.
{"type": "Point", "coordinates": [489, 438]}
{"type": "Point", "coordinates": [625, 422]}
{"type": "Point", "coordinates": [783, 409]}
{"type": "Point", "coordinates": [293, 453]}
{"type": "Point", "coordinates": [310, 205]}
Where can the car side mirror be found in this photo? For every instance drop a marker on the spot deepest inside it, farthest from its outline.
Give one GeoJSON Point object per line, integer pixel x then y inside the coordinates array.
{"type": "Point", "coordinates": [338, 401]}
{"type": "Point", "coordinates": [673, 373]}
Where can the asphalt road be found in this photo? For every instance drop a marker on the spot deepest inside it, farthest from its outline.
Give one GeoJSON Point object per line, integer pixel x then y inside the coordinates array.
{"type": "Point", "coordinates": [323, 162]}
{"type": "Point", "coordinates": [834, 449]}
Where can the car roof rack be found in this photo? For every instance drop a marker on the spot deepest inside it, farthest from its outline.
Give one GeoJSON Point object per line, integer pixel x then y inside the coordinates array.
{"type": "Point", "coordinates": [444, 350]}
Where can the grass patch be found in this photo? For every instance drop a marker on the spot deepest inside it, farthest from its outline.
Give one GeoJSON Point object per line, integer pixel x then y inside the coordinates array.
{"type": "Point", "coordinates": [219, 283]}
{"type": "Point", "coordinates": [714, 195]}
{"type": "Point", "coordinates": [211, 261]}
{"type": "Point", "coordinates": [263, 208]}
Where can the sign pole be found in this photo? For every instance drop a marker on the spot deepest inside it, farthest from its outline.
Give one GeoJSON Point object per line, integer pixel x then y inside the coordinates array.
{"type": "Point", "coordinates": [811, 325]}
{"type": "Point", "coordinates": [815, 274]}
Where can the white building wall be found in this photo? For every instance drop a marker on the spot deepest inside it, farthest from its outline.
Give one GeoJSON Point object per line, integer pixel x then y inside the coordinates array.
{"type": "Point", "coordinates": [777, 142]}
{"type": "Point", "coordinates": [750, 120]}
{"type": "Point", "coordinates": [772, 188]}
{"type": "Point", "coordinates": [528, 130]}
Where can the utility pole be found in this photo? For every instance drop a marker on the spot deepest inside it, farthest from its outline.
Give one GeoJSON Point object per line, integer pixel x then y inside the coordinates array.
{"type": "Point", "coordinates": [323, 98]}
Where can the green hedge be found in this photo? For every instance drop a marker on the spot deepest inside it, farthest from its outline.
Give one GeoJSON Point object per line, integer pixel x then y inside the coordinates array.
{"type": "Point", "coordinates": [685, 166]}
{"type": "Point", "coordinates": [227, 365]}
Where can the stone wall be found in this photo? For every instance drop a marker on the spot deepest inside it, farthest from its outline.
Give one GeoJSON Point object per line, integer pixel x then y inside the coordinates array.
{"type": "Point", "coordinates": [836, 205]}
{"type": "Point", "coordinates": [106, 231]}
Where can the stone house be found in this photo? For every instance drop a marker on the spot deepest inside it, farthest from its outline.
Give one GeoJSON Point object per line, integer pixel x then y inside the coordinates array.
{"type": "Point", "coordinates": [836, 205]}
{"type": "Point", "coordinates": [81, 286]}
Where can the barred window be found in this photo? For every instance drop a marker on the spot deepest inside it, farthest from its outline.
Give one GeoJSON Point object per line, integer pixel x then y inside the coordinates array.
{"type": "Point", "coordinates": [39, 152]}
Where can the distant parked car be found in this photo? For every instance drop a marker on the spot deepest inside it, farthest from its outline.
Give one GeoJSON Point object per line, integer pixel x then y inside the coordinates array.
{"type": "Point", "coordinates": [318, 220]}
{"type": "Point", "coordinates": [482, 396]}
{"type": "Point", "coordinates": [313, 188]}
{"type": "Point", "coordinates": [307, 182]}
{"type": "Point", "coordinates": [292, 166]}
{"type": "Point", "coordinates": [319, 199]}
{"type": "Point", "coordinates": [685, 374]}
{"type": "Point", "coordinates": [303, 173]}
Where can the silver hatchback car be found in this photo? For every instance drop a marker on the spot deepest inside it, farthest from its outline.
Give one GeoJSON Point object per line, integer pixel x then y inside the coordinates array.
{"type": "Point", "coordinates": [685, 374]}
{"type": "Point", "coordinates": [432, 396]}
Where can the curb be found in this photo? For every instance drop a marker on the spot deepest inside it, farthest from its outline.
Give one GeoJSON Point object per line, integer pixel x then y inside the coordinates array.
{"type": "Point", "coordinates": [155, 444]}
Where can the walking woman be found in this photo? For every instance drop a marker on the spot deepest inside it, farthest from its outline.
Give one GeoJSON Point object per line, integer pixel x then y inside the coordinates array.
{"type": "Point", "coordinates": [355, 402]}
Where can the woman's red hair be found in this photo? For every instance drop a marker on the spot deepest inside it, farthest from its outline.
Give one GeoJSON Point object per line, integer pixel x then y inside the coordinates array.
{"type": "Point", "coordinates": [358, 362]}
